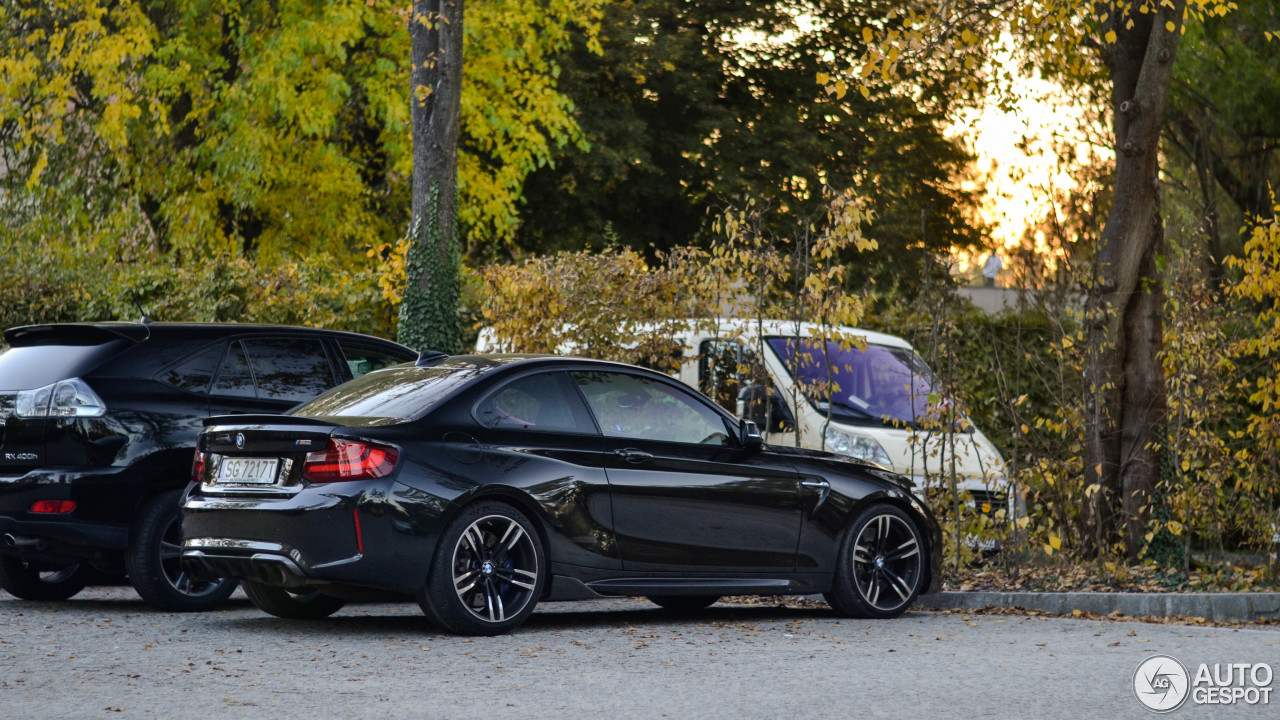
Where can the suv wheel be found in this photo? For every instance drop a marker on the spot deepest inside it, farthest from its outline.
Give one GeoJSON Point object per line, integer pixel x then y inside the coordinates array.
{"type": "Point", "coordinates": [154, 560]}
{"type": "Point", "coordinates": [32, 580]}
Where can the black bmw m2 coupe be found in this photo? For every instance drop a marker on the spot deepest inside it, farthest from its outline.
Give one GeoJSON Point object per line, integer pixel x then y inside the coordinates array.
{"type": "Point", "coordinates": [482, 485]}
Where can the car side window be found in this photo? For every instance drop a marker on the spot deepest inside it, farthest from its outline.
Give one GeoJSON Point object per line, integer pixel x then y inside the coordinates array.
{"type": "Point", "coordinates": [631, 406]}
{"type": "Point", "coordinates": [235, 379]}
{"type": "Point", "coordinates": [294, 369]}
{"type": "Point", "coordinates": [194, 373]}
{"type": "Point", "coordinates": [362, 359]}
{"type": "Point", "coordinates": [545, 402]}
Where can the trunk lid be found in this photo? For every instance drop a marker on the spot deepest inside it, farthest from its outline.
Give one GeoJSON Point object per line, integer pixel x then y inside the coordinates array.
{"type": "Point", "coordinates": [259, 453]}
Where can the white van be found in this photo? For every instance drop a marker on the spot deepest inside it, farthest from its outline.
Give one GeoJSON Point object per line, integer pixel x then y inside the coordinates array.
{"type": "Point", "coordinates": [887, 406]}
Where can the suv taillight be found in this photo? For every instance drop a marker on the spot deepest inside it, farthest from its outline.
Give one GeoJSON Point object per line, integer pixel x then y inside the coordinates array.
{"type": "Point", "coordinates": [343, 460]}
{"type": "Point", "coordinates": [68, 398]}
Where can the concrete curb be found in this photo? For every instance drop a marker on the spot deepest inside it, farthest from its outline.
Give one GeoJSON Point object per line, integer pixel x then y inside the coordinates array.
{"type": "Point", "coordinates": [1240, 607]}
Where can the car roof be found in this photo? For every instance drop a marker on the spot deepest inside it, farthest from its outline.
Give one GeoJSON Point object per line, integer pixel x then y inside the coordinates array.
{"type": "Point", "coordinates": [139, 331]}
{"type": "Point", "coordinates": [497, 360]}
{"type": "Point", "coordinates": [702, 328]}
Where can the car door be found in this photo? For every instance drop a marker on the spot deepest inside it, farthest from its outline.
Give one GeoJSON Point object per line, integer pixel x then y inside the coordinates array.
{"type": "Point", "coordinates": [270, 375]}
{"type": "Point", "coordinates": [538, 433]}
{"type": "Point", "coordinates": [686, 497]}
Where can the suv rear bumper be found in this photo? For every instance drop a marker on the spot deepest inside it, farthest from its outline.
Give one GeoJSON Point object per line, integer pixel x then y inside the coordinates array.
{"type": "Point", "coordinates": [59, 539]}
{"type": "Point", "coordinates": [101, 495]}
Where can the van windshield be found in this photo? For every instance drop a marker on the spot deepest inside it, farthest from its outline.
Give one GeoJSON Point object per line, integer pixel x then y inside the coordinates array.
{"type": "Point", "coordinates": [878, 385]}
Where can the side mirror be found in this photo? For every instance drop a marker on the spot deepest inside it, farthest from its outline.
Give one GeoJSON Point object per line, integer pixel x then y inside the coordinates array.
{"type": "Point", "coordinates": [749, 436]}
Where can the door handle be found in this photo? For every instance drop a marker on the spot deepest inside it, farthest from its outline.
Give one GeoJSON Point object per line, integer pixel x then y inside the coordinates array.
{"type": "Point", "coordinates": [632, 455]}
{"type": "Point", "coordinates": [821, 484]}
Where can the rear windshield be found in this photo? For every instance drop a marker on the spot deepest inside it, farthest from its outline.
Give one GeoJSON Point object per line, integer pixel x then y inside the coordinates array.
{"type": "Point", "coordinates": [396, 394]}
{"type": "Point", "coordinates": [32, 366]}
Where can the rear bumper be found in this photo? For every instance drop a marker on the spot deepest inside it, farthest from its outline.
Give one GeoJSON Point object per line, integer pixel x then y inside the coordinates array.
{"type": "Point", "coordinates": [105, 501]}
{"type": "Point", "coordinates": [266, 563]}
{"type": "Point", "coordinates": [60, 540]}
{"type": "Point", "coordinates": [340, 533]}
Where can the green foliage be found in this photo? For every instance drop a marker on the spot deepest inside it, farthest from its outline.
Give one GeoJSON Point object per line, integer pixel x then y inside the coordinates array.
{"type": "Point", "coordinates": [611, 305]}
{"type": "Point", "coordinates": [78, 282]}
{"type": "Point", "coordinates": [273, 130]}
{"type": "Point", "coordinates": [429, 311]}
{"type": "Point", "coordinates": [616, 305]}
{"type": "Point", "coordinates": [694, 107]}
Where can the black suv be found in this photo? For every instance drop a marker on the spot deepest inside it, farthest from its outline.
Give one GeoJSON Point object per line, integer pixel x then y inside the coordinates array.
{"type": "Point", "coordinates": [98, 426]}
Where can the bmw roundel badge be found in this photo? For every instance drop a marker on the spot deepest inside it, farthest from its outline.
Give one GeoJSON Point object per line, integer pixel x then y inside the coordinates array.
{"type": "Point", "coordinates": [239, 440]}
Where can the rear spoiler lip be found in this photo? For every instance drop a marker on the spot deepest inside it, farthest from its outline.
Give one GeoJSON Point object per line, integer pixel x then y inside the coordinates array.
{"type": "Point", "coordinates": [265, 419]}
{"type": "Point", "coordinates": [134, 332]}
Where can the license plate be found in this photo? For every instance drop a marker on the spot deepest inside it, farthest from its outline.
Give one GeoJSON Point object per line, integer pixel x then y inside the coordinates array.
{"type": "Point", "coordinates": [248, 471]}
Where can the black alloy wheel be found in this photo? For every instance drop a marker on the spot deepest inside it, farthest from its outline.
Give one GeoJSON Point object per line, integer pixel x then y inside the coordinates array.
{"type": "Point", "coordinates": [488, 573]}
{"type": "Point", "coordinates": [881, 566]}
{"type": "Point", "coordinates": [154, 562]}
{"type": "Point", "coordinates": [683, 603]}
{"type": "Point", "coordinates": [34, 580]}
{"type": "Point", "coordinates": [301, 604]}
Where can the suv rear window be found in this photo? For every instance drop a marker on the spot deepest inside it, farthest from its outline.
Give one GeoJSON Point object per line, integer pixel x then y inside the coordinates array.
{"type": "Point", "coordinates": [194, 373]}
{"type": "Point", "coordinates": [294, 369]}
{"type": "Point", "coordinates": [31, 366]}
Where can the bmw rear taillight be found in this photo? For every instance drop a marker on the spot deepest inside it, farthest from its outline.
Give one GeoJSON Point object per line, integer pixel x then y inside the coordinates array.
{"type": "Point", "coordinates": [197, 467]}
{"type": "Point", "coordinates": [343, 460]}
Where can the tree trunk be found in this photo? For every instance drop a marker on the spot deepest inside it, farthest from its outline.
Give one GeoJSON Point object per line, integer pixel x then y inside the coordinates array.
{"type": "Point", "coordinates": [428, 315]}
{"type": "Point", "coordinates": [1124, 381]}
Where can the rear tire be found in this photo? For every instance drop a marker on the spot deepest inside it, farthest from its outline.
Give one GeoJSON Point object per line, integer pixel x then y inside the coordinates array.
{"type": "Point", "coordinates": [32, 580]}
{"type": "Point", "coordinates": [881, 565]}
{"type": "Point", "coordinates": [154, 561]}
{"type": "Point", "coordinates": [488, 572]}
{"type": "Point", "coordinates": [683, 603]}
{"type": "Point", "coordinates": [305, 604]}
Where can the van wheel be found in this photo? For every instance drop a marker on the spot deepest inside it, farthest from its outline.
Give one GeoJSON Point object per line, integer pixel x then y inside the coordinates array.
{"type": "Point", "coordinates": [154, 561]}
{"type": "Point", "coordinates": [303, 604]}
{"type": "Point", "coordinates": [33, 580]}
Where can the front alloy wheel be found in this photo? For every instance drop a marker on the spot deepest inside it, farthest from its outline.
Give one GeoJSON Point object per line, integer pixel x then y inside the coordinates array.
{"type": "Point", "coordinates": [881, 565]}
{"type": "Point", "coordinates": [154, 561]}
{"type": "Point", "coordinates": [488, 573]}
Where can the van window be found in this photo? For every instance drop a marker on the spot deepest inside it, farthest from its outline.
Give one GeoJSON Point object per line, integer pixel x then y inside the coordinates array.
{"type": "Point", "coordinates": [725, 367]}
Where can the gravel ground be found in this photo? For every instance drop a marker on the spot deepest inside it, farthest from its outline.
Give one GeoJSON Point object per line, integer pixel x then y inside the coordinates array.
{"type": "Point", "coordinates": [106, 654]}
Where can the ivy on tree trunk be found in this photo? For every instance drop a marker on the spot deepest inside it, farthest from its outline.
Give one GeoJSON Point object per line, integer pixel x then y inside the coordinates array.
{"type": "Point", "coordinates": [1125, 403]}
{"type": "Point", "coordinates": [428, 316]}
